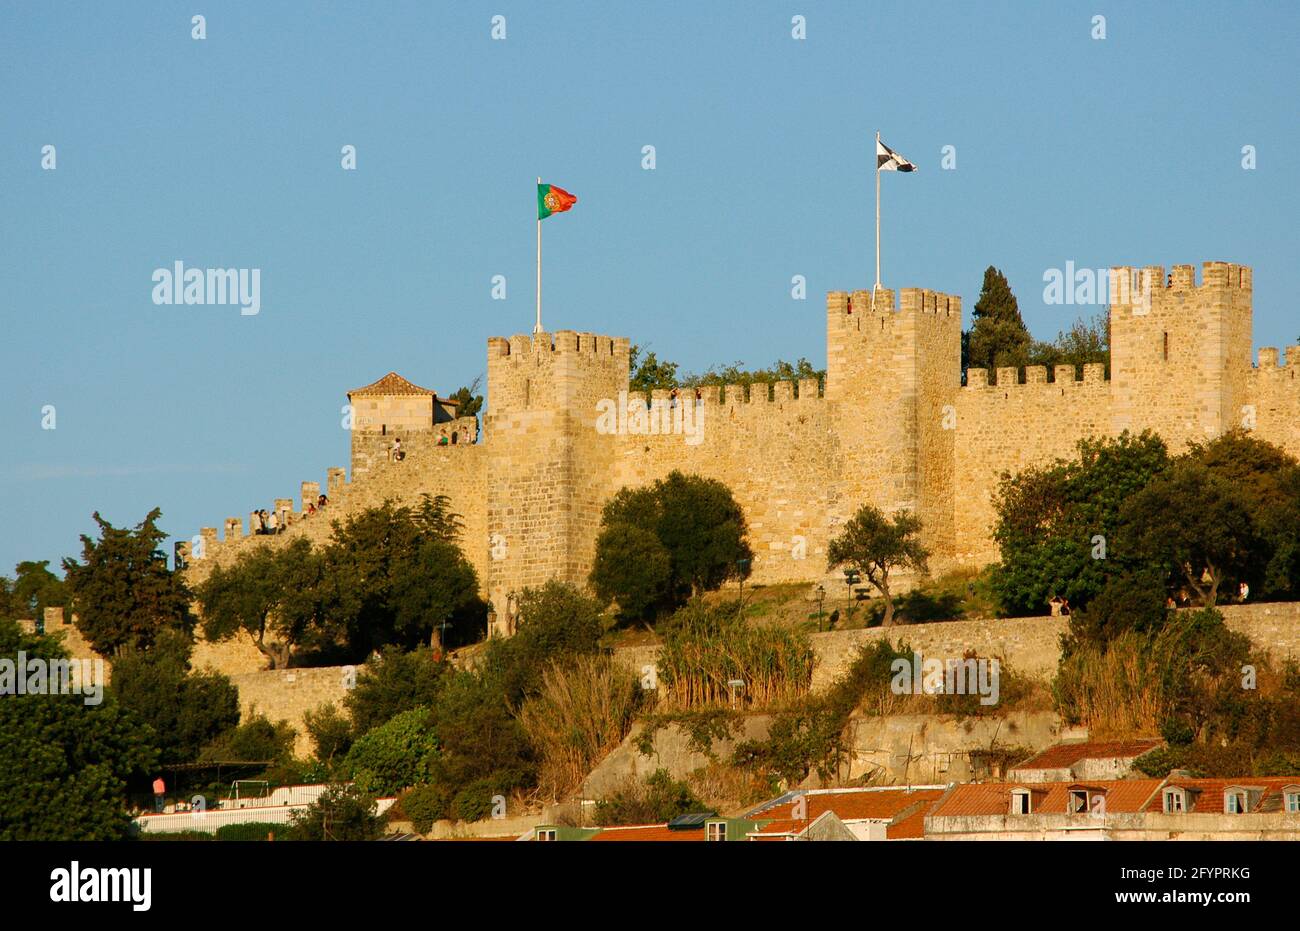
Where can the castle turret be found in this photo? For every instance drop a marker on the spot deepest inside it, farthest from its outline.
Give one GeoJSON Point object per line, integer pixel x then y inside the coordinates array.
{"type": "Point", "coordinates": [551, 470]}
{"type": "Point", "coordinates": [893, 372]}
{"type": "Point", "coordinates": [1180, 351]}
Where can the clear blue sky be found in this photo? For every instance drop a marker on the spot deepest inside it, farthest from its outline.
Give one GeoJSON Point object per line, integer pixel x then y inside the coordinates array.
{"type": "Point", "coordinates": [226, 153]}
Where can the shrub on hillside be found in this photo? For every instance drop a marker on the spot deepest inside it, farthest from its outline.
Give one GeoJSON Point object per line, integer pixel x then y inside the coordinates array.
{"type": "Point", "coordinates": [394, 755]}
{"type": "Point", "coordinates": [706, 647]}
{"type": "Point", "coordinates": [342, 813]}
{"type": "Point", "coordinates": [583, 710]}
{"type": "Point", "coordinates": [656, 800]}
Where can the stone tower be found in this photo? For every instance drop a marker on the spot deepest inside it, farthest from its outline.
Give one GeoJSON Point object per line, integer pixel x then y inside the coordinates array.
{"type": "Point", "coordinates": [1180, 351]}
{"type": "Point", "coordinates": [550, 472]}
{"type": "Point", "coordinates": [892, 373]}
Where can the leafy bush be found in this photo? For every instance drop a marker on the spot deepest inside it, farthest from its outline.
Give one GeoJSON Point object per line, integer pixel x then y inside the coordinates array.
{"type": "Point", "coordinates": [1174, 679]}
{"type": "Point", "coordinates": [256, 740]}
{"type": "Point", "coordinates": [422, 806]}
{"type": "Point", "coordinates": [393, 682]}
{"type": "Point", "coordinates": [342, 813]}
{"type": "Point", "coordinates": [251, 831]}
{"type": "Point", "coordinates": [394, 755]}
{"type": "Point", "coordinates": [657, 800]}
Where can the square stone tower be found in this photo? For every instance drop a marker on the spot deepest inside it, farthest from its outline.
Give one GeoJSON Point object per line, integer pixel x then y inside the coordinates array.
{"type": "Point", "coordinates": [1180, 351]}
{"type": "Point", "coordinates": [550, 472]}
{"type": "Point", "coordinates": [892, 373]}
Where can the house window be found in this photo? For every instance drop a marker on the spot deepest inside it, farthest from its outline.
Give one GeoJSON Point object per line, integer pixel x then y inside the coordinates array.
{"type": "Point", "coordinates": [546, 834]}
{"type": "Point", "coordinates": [1234, 803]}
{"type": "Point", "coordinates": [716, 830]}
{"type": "Point", "coordinates": [1174, 802]}
{"type": "Point", "coordinates": [1078, 802]}
{"type": "Point", "coordinates": [1020, 803]}
{"type": "Point", "coordinates": [1293, 802]}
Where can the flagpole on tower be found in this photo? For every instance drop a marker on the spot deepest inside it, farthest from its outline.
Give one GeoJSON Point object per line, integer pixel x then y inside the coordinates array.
{"type": "Point", "coordinates": [537, 328]}
{"type": "Point", "coordinates": [877, 149]}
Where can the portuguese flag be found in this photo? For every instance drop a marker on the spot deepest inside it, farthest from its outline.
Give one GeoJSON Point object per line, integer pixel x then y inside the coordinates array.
{"type": "Point", "coordinates": [552, 199]}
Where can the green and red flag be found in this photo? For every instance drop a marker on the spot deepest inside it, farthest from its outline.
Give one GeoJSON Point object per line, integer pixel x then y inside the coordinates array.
{"type": "Point", "coordinates": [552, 199]}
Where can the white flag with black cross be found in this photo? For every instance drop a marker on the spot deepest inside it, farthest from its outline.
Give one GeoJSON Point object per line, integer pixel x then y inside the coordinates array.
{"type": "Point", "coordinates": [886, 160]}
{"type": "Point", "coordinates": [889, 160]}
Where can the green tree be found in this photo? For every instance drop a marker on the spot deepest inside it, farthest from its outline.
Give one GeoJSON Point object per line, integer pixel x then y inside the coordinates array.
{"type": "Point", "coordinates": [1267, 480]}
{"type": "Point", "coordinates": [1057, 524]}
{"type": "Point", "coordinates": [65, 765]}
{"type": "Point", "coordinates": [1086, 341]}
{"type": "Point", "coordinates": [33, 589]}
{"type": "Point", "coordinates": [633, 568]}
{"type": "Point", "coordinates": [701, 533]}
{"type": "Point", "coordinates": [342, 813]}
{"type": "Point", "coordinates": [272, 594]}
{"type": "Point", "coordinates": [1198, 526]}
{"type": "Point", "coordinates": [998, 336]}
{"type": "Point", "coordinates": [186, 710]}
{"type": "Point", "coordinates": [876, 545]}
{"type": "Point", "coordinates": [257, 740]}
{"type": "Point", "coordinates": [391, 683]}
{"type": "Point", "coordinates": [468, 400]}
{"type": "Point", "coordinates": [395, 575]}
{"type": "Point", "coordinates": [122, 590]}
{"type": "Point", "coordinates": [395, 755]}
{"type": "Point", "coordinates": [649, 373]}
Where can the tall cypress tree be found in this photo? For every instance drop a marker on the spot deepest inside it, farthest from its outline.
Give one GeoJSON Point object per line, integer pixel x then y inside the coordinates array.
{"type": "Point", "coordinates": [998, 336]}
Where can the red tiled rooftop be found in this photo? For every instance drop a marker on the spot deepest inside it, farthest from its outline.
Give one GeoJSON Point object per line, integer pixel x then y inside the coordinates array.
{"type": "Point", "coordinates": [1122, 795]}
{"type": "Point", "coordinates": [392, 384]}
{"type": "Point", "coordinates": [649, 832]}
{"type": "Point", "coordinates": [860, 805]}
{"type": "Point", "coordinates": [1065, 755]}
{"type": "Point", "coordinates": [1207, 794]}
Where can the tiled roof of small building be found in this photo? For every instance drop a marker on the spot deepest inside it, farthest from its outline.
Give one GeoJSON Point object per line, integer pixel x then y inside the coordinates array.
{"type": "Point", "coordinates": [391, 384]}
{"type": "Point", "coordinates": [649, 832]}
{"type": "Point", "coordinates": [1064, 755]}
{"type": "Point", "coordinates": [1122, 795]}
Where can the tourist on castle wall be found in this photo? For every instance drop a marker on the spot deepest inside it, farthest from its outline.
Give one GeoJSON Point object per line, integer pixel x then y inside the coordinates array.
{"type": "Point", "coordinates": [272, 523]}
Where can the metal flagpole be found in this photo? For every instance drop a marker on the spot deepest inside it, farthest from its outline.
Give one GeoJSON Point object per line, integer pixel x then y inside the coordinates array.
{"type": "Point", "coordinates": [877, 284]}
{"type": "Point", "coordinates": [538, 327]}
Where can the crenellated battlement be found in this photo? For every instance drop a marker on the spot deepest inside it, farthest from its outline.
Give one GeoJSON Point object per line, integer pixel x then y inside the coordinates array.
{"type": "Point", "coordinates": [1094, 373]}
{"type": "Point", "coordinates": [1128, 282]}
{"type": "Point", "coordinates": [846, 304]}
{"type": "Point", "coordinates": [522, 346]}
{"type": "Point", "coordinates": [1269, 359]}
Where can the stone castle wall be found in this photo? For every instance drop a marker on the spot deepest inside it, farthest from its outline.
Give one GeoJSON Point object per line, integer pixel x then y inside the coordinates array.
{"type": "Point", "coordinates": [892, 425]}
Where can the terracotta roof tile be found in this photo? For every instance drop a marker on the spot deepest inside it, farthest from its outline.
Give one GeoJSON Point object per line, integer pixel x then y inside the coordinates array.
{"type": "Point", "coordinates": [391, 384]}
{"type": "Point", "coordinates": [859, 805]}
{"type": "Point", "coordinates": [1207, 794]}
{"type": "Point", "coordinates": [1122, 795]}
{"type": "Point", "coordinates": [1065, 755]}
{"type": "Point", "coordinates": [649, 832]}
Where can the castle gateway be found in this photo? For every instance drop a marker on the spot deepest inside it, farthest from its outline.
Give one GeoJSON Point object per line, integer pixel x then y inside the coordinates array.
{"type": "Point", "coordinates": [892, 425]}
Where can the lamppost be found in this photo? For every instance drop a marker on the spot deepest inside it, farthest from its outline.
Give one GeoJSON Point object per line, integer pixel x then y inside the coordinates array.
{"type": "Point", "coordinates": [821, 596]}
{"type": "Point", "coordinates": [850, 579]}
